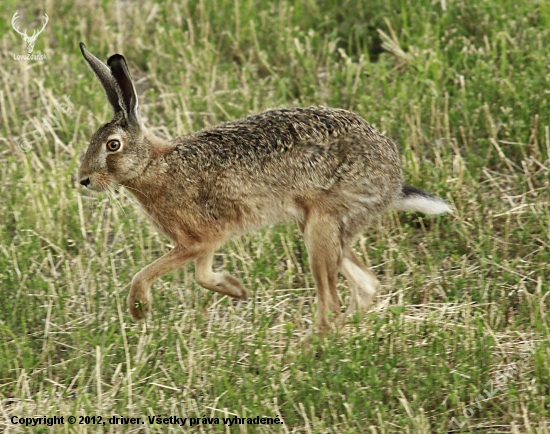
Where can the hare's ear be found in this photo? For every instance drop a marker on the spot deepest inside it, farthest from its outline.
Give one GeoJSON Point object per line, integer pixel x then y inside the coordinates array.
{"type": "Point", "coordinates": [103, 74]}
{"type": "Point", "coordinates": [127, 93]}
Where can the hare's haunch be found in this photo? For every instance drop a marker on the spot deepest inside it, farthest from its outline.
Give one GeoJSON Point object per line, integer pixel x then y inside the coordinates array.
{"type": "Point", "coordinates": [328, 169]}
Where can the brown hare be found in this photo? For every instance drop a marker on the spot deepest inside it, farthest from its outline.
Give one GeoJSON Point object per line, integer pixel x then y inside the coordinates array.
{"type": "Point", "coordinates": [327, 169]}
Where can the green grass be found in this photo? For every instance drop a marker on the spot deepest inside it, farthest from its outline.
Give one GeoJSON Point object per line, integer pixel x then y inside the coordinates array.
{"type": "Point", "coordinates": [461, 86]}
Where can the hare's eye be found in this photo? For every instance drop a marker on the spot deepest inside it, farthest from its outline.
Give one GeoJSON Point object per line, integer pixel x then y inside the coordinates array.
{"type": "Point", "coordinates": [113, 145]}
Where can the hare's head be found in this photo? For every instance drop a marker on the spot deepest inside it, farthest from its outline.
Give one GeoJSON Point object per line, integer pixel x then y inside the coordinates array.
{"type": "Point", "coordinates": [118, 150]}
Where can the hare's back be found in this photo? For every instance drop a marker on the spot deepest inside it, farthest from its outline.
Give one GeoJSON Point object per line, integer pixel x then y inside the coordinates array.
{"type": "Point", "coordinates": [297, 149]}
{"type": "Point", "coordinates": [249, 140]}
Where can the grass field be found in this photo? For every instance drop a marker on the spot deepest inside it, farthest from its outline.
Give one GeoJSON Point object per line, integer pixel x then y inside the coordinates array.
{"type": "Point", "coordinates": [459, 339]}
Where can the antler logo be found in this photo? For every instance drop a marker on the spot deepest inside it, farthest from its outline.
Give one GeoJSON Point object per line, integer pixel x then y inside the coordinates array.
{"type": "Point", "coordinates": [29, 40]}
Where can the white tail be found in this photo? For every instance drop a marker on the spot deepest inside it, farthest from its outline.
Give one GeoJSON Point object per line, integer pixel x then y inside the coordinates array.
{"type": "Point", "coordinates": [29, 40]}
{"type": "Point", "coordinates": [416, 199]}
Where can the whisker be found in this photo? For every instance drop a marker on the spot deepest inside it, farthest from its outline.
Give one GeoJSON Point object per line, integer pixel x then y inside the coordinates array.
{"type": "Point", "coordinates": [130, 198]}
{"type": "Point", "coordinates": [132, 188]}
{"type": "Point", "coordinates": [112, 196]}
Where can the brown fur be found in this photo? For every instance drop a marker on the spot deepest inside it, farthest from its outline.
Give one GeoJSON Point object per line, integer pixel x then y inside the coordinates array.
{"type": "Point", "coordinates": [328, 169]}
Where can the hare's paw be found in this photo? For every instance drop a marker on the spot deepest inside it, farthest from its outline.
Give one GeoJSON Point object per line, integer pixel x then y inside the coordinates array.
{"type": "Point", "coordinates": [363, 285]}
{"type": "Point", "coordinates": [234, 287]}
{"type": "Point", "coordinates": [139, 299]}
{"type": "Point", "coordinates": [360, 301]}
{"type": "Point", "coordinates": [222, 283]}
{"type": "Point", "coordinates": [138, 308]}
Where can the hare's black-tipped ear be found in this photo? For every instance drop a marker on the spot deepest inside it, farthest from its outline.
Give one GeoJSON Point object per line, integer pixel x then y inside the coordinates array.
{"type": "Point", "coordinates": [128, 96]}
{"type": "Point", "coordinates": [103, 74]}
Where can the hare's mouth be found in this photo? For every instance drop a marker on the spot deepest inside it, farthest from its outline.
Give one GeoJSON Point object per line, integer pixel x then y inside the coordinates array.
{"type": "Point", "coordinates": [94, 184]}
{"type": "Point", "coordinates": [96, 188]}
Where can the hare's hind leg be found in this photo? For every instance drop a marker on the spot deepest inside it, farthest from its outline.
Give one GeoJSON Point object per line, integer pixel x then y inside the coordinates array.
{"type": "Point", "coordinates": [363, 283]}
{"type": "Point", "coordinates": [322, 239]}
{"type": "Point", "coordinates": [217, 282]}
{"type": "Point", "coordinates": [139, 299]}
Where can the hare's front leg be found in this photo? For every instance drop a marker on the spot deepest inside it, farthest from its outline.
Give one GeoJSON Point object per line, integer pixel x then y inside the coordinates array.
{"type": "Point", "coordinates": [139, 299]}
{"type": "Point", "coordinates": [217, 282]}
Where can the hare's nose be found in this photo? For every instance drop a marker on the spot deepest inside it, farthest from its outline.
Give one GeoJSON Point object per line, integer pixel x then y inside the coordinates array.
{"type": "Point", "coordinates": [85, 182]}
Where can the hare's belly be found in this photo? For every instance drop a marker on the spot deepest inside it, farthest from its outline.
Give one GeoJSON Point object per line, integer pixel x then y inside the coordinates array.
{"type": "Point", "coordinates": [261, 211]}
